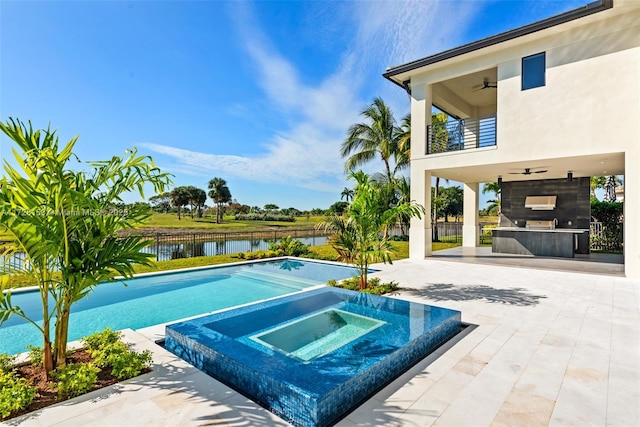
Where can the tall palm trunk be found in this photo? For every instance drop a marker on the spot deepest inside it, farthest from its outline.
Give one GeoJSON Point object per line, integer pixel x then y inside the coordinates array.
{"type": "Point", "coordinates": [47, 356]}
{"type": "Point", "coordinates": [389, 173]}
{"type": "Point", "coordinates": [62, 332]}
{"type": "Point", "coordinates": [364, 280]}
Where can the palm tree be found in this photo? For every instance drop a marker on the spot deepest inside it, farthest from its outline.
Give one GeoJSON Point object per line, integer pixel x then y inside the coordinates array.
{"type": "Point", "coordinates": [197, 199]}
{"type": "Point", "coordinates": [379, 136]}
{"type": "Point", "coordinates": [347, 194]}
{"type": "Point", "coordinates": [434, 209]}
{"type": "Point", "coordinates": [388, 194]}
{"type": "Point", "coordinates": [595, 183]}
{"type": "Point", "coordinates": [403, 156]}
{"type": "Point", "coordinates": [161, 202]}
{"type": "Point", "coordinates": [220, 194]}
{"type": "Point", "coordinates": [403, 188]}
{"type": "Point", "coordinates": [438, 133]}
{"type": "Point", "coordinates": [192, 193]}
{"type": "Point", "coordinates": [359, 238]}
{"type": "Point", "coordinates": [73, 229]}
{"type": "Point", "coordinates": [344, 236]}
{"type": "Point", "coordinates": [493, 187]}
{"type": "Point", "coordinates": [179, 197]}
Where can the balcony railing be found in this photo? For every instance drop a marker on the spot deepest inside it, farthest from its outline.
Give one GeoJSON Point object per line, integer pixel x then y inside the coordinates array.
{"type": "Point", "coordinates": [461, 134]}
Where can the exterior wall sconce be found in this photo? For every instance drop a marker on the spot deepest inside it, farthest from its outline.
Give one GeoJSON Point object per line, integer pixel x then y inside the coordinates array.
{"type": "Point", "coordinates": [570, 176]}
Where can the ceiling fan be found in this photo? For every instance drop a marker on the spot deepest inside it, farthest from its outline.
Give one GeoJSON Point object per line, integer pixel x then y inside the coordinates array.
{"type": "Point", "coordinates": [527, 171]}
{"type": "Point", "coordinates": [486, 84]}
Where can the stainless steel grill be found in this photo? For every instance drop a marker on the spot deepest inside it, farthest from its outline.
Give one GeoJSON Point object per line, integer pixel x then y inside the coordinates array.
{"type": "Point", "coordinates": [541, 225]}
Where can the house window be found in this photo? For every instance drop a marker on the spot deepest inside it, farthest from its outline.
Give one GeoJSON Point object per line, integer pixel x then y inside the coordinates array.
{"type": "Point", "coordinates": [533, 71]}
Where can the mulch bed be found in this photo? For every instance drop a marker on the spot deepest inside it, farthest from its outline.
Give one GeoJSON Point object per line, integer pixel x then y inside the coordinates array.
{"type": "Point", "coordinates": [47, 394]}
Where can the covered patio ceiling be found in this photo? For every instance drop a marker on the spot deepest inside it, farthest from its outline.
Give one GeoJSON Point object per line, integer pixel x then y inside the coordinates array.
{"type": "Point", "coordinates": [463, 93]}
{"type": "Point", "coordinates": [556, 168]}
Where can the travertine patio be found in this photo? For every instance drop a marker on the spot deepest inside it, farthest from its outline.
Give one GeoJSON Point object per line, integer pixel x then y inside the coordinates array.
{"type": "Point", "coordinates": [543, 348]}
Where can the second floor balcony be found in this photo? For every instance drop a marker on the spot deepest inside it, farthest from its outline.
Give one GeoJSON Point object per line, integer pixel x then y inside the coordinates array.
{"type": "Point", "coordinates": [461, 134]}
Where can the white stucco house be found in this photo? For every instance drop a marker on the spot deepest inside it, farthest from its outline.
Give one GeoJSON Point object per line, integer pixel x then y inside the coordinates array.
{"type": "Point", "coordinates": [552, 102]}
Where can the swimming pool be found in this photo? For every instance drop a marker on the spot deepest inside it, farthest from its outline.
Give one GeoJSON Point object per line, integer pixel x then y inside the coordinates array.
{"type": "Point", "coordinates": [162, 298]}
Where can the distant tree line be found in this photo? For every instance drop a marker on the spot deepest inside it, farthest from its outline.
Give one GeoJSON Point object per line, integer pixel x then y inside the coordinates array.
{"type": "Point", "coordinates": [195, 198]}
{"type": "Point", "coordinates": [192, 200]}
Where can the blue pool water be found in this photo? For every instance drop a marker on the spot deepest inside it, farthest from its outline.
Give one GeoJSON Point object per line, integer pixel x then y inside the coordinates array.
{"type": "Point", "coordinates": [318, 390]}
{"type": "Point", "coordinates": [152, 300]}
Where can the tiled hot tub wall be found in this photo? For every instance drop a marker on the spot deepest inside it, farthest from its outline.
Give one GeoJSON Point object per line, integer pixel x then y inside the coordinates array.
{"type": "Point", "coordinates": [320, 392]}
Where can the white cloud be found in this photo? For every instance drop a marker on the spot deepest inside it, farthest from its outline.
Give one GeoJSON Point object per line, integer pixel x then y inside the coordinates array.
{"type": "Point", "coordinates": [306, 154]}
{"type": "Point", "coordinates": [287, 162]}
{"type": "Point", "coordinates": [401, 31]}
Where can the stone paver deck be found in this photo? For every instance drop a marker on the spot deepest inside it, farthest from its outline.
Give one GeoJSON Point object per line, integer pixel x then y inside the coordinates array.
{"type": "Point", "coordinates": [543, 348]}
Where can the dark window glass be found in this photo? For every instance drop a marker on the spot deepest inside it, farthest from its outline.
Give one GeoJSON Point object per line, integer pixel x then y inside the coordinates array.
{"type": "Point", "coordinates": [533, 69]}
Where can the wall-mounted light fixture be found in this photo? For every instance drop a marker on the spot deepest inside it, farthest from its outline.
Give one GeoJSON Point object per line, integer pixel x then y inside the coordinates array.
{"type": "Point", "coordinates": [499, 180]}
{"type": "Point", "coordinates": [569, 176]}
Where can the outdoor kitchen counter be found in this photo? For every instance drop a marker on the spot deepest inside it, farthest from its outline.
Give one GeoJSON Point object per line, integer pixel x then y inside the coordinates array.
{"type": "Point", "coordinates": [560, 242]}
{"type": "Point", "coordinates": [557, 230]}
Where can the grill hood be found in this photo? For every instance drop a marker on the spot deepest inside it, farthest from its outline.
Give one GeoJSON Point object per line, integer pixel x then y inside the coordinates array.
{"type": "Point", "coordinates": [540, 203]}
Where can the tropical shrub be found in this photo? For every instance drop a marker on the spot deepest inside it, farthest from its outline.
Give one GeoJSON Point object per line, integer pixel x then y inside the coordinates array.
{"type": "Point", "coordinates": [36, 355]}
{"type": "Point", "coordinates": [126, 363]}
{"type": "Point", "coordinates": [75, 379]}
{"type": "Point", "coordinates": [289, 246]}
{"type": "Point", "coordinates": [610, 215]}
{"type": "Point", "coordinates": [257, 255]}
{"type": "Point", "coordinates": [265, 217]}
{"type": "Point", "coordinates": [107, 350]}
{"type": "Point", "coordinates": [100, 340]}
{"type": "Point", "coordinates": [338, 208]}
{"type": "Point", "coordinates": [15, 394]}
{"type": "Point", "coordinates": [400, 238]}
{"type": "Point", "coordinates": [6, 363]}
{"type": "Point", "coordinates": [374, 285]}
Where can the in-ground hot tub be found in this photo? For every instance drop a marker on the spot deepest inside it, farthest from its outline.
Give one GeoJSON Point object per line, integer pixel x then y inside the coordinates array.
{"type": "Point", "coordinates": [314, 356]}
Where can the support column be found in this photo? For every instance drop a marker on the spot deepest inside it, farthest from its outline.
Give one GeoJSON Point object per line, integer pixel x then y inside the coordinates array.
{"type": "Point", "coordinates": [471, 224]}
{"type": "Point", "coordinates": [420, 229]}
{"type": "Point", "coordinates": [632, 213]}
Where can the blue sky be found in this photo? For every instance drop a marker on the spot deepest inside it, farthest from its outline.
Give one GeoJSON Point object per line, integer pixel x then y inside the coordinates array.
{"type": "Point", "coordinates": [258, 93]}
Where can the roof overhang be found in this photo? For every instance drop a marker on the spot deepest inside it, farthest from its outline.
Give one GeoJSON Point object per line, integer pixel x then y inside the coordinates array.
{"type": "Point", "coordinates": [400, 74]}
{"type": "Point", "coordinates": [555, 168]}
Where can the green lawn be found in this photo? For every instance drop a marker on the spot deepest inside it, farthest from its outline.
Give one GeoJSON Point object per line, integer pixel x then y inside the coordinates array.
{"type": "Point", "coordinates": [169, 220]}
{"type": "Point", "coordinates": [325, 252]}
{"type": "Point", "coordinates": [438, 246]}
